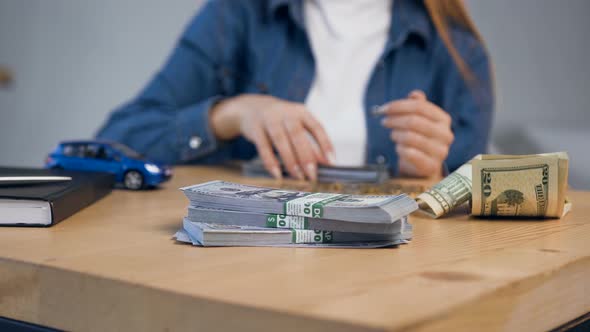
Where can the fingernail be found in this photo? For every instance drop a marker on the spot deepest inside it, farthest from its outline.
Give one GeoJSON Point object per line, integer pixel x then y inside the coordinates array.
{"type": "Point", "coordinates": [379, 110]}
{"type": "Point", "coordinates": [276, 173]}
{"type": "Point", "coordinates": [298, 173]}
{"type": "Point", "coordinates": [311, 171]}
{"type": "Point", "coordinates": [332, 158]}
{"type": "Point", "coordinates": [417, 94]}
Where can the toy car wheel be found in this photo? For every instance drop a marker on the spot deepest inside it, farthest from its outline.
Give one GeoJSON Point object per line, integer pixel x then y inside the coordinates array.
{"type": "Point", "coordinates": [133, 180]}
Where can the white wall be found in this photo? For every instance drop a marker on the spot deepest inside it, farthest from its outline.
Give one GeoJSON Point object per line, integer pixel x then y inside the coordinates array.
{"type": "Point", "coordinates": [74, 61]}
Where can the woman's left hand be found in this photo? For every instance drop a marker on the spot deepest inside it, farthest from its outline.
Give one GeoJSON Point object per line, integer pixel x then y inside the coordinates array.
{"type": "Point", "coordinates": [422, 133]}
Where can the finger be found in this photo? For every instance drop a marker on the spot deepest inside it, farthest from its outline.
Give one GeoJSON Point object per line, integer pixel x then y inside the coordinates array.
{"type": "Point", "coordinates": [418, 95]}
{"type": "Point", "coordinates": [317, 152]}
{"type": "Point", "coordinates": [264, 148]}
{"type": "Point", "coordinates": [417, 106]}
{"type": "Point", "coordinates": [431, 147]}
{"type": "Point", "coordinates": [301, 144]}
{"type": "Point", "coordinates": [421, 125]}
{"type": "Point", "coordinates": [422, 164]}
{"type": "Point", "coordinates": [320, 136]}
{"type": "Point", "coordinates": [280, 141]}
{"type": "Point", "coordinates": [415, 94]}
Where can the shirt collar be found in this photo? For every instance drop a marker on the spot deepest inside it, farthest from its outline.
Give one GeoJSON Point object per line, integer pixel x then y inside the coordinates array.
{"type": "Point", "coordinates": [295, 8]}
{"type": "Point", "coordinates": [409, 18]}
{"type": "Point", "coordinates": [273, 5]}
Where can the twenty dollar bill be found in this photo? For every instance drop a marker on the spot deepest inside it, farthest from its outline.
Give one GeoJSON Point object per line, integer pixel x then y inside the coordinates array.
{"type": "Point", "coordinates": [504, 186]}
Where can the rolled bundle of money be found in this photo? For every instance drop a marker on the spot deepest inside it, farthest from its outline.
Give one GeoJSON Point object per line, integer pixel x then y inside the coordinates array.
{"type": "Point", "coordinates": [451, 192]}
{"type": "Point", "coordinates": [504, 186]}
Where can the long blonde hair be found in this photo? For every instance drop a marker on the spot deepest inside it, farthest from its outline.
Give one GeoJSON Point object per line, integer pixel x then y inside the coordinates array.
{"type": "Point", "coordinates": [444, 12]}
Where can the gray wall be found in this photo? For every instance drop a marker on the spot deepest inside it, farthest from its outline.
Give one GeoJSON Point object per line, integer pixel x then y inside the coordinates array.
{"type": "Point", "coordinates": [74, 61]}
{"type": "Point", "coordinates": [540, 49]}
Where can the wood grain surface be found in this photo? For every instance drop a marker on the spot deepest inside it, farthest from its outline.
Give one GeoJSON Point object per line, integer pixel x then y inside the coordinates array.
{"type": "Point", "coordinates": [115, 267]}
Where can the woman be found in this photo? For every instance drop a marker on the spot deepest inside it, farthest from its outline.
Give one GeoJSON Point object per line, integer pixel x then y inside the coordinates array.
{"type": "Point", "coordinates": [402, 82]}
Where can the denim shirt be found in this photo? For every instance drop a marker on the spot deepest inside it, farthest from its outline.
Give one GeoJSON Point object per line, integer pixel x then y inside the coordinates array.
{"type": "Point", "coordinates": [236, 47]}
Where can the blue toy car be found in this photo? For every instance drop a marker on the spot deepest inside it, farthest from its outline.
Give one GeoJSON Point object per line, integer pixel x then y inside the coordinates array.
{"type": "Point", "coordinates": [129, 167]}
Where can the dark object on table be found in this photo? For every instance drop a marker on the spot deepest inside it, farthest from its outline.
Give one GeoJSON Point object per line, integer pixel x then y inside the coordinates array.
{"type": "Point", "coordinates": [328, 174]}
{"type": "Point", "coordinates": [13, 325]}
{"type": "Point", "coordinates": [45, 204]}
{"type": "Point", "coordinates": [130, 168]}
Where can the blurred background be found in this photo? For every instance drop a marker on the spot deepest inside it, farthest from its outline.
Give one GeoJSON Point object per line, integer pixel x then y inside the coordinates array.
{"type": "Point", "coordinates": [72, 62]}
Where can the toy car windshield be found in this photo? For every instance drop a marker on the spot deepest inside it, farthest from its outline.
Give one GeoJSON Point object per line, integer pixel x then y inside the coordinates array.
{"type": "Point", "coordinates": [127, 151]}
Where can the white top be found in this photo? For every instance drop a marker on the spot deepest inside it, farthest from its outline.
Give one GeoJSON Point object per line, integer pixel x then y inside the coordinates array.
{"type": "Point", "coordinates": [347, 39]}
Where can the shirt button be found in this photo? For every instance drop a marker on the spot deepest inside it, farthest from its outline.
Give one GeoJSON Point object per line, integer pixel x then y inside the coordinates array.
{"type": "Point", "coordinates": [380, 159]}
{"type": "Point", "coordinates": [195, 142]}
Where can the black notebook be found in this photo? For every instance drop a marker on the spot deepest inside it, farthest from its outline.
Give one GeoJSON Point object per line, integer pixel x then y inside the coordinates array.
{"type": "Point", "coordinates": [45, 204]}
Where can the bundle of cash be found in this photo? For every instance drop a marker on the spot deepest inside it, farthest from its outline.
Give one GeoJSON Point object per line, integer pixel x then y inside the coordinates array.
{"type": "Point", "coordinates": [219, 235]}
{"type": "Point", "coordinates": [275, 220]}
{"type": "Point", "coordinates": [226, 214]}
{"type": "Point", "coordinates": [354, 208]}
{"type": "Point", "coordinates": [504, 186]}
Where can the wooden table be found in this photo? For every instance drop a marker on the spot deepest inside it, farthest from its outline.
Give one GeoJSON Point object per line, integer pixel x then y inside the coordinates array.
{"type": "Point", "coordinates": [115, 267]}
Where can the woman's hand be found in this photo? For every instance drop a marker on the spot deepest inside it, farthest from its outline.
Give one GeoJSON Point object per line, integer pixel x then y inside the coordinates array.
{"type": "Point", "coordinates": [422, 133]}
{"type": "Point", "coordinates": [269, 122]}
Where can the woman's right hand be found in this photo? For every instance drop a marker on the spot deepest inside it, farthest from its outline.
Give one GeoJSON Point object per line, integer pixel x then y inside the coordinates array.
{"type": "Point", "coordinates": [269, 122]}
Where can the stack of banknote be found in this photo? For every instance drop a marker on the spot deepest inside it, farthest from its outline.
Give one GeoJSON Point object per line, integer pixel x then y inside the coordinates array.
{"type": "Point", "coordinates": [231, 214]}
{"type": "Point", "coordinates": [504, 186]}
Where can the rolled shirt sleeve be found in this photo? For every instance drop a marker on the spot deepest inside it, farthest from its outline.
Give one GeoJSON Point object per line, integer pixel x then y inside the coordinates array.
{"type": "Point", "coordinates": [195, 136]}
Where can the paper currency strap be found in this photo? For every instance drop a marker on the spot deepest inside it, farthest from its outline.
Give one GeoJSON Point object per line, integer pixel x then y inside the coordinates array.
{"type": "Point", "coordinates": [311, 205]}
{"type": "Point", "coordinates": [285, 221]}
{"type": "Point", "coordinates": [311, 236]}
